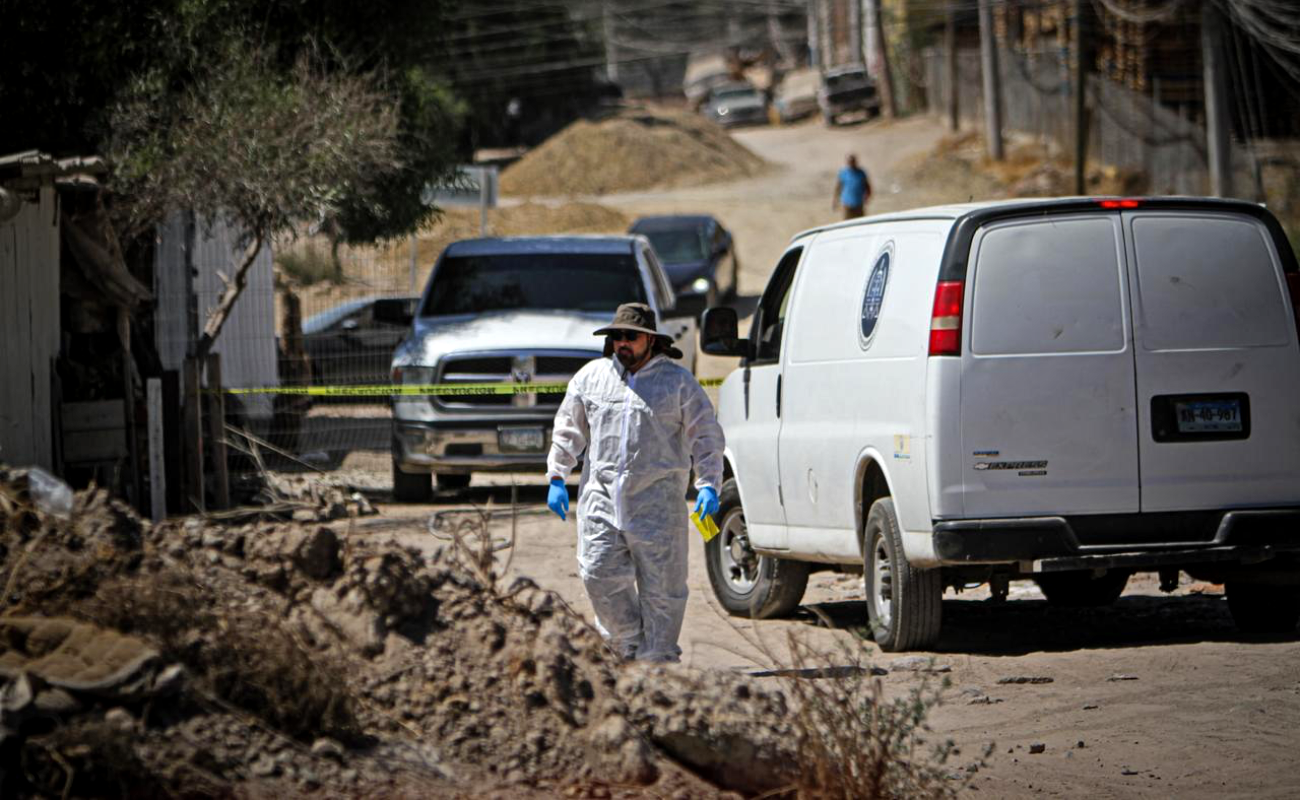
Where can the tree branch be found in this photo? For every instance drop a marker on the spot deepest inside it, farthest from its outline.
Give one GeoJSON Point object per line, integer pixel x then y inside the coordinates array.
{"type": "Point", "coordinates": [221, 312]}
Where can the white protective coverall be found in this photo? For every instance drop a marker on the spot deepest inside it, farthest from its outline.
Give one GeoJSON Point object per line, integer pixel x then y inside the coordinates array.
{"type": "Point", "coordinates": [640, 431]}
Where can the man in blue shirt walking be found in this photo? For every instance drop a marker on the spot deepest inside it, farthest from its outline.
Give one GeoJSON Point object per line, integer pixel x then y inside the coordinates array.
{"type": "Point", "coordinates": [852, 189]}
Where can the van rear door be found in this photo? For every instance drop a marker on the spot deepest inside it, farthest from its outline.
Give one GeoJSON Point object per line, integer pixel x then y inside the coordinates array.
{"type": "Point", "coordinates": [1048, 394]}
{"type": "Point", "coordinates": [1218, 367]}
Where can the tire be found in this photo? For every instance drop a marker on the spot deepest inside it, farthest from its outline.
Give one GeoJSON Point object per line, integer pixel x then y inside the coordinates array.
{"type": "Point", "coordinates": [745, 583]}
{"type": "Point", "coordinates": [452, 481]}
{"type": "Point", "coordinates": [411, 488]}
{"type": "Point", "coordinates": [1080, 589]}
{"type": "Point", "coordinates": [1263, 608]}
{"type": "Point", "coordinates": [904, 603]}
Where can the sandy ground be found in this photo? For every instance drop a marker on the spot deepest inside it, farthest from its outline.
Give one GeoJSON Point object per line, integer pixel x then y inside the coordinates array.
{"type": "Point", "coordinates": [1155, 696]}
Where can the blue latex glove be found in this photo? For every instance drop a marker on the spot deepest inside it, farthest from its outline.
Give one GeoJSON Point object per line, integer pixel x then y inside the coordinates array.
{"type": "Point", "coordinates": [706, 502]}
{"type": "Point", "coordinates": [558, 497]}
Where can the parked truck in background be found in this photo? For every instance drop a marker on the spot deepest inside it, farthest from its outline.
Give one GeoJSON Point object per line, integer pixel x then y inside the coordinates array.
{"type": "Point", "coordinates": [511, 310]}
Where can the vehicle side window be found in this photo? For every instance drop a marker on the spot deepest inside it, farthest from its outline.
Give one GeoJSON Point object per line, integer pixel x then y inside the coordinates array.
{"type": "Point", "coordinates": [769, 319]}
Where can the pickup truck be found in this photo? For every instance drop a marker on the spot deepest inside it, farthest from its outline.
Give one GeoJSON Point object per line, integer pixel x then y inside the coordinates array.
{"type": "Point", "coordinates": [511, 310]}
{"type": "Point", "coordinates": [846, 90]}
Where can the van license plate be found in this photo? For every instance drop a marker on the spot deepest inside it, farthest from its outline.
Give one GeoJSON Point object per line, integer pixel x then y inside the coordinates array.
{"type": "Point", "coordinates": [1208, 416]}
{"type": "Point", "coordinates": [521, 440]}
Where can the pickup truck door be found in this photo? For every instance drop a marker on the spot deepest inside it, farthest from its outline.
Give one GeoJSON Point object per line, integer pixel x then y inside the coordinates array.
{"type": "Point", "coordinates": [753, 438]}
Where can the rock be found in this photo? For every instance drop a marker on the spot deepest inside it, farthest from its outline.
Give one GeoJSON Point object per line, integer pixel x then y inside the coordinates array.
{"type": "Point", "coordinates": [1090, 707]}
{"type": "Point", "coordinates": [1037, 747]}
{"type": "Point", "coordinates": [316, 554]}
{"type": "Point", "coordinates": [1025, 679]}
{"type": "Point", "coordinates": [351, 618]}
{"type": "Point", "coordinates": [119, 719]}
{"type": "Point", "coordinates": [57, 702]}
{"type": "Point", "coordinates": [17, 695]}
{"type": "Point", "coordinates": [170, 681]}
{"type": "Point", "coordinates": [327, 748]}
{"type": "Point", "coordinates": [1120, 677]}
{"type": "Point", "coordinates": [264, 767]}
{"type": "Point", "coordinates": [1079, 744]}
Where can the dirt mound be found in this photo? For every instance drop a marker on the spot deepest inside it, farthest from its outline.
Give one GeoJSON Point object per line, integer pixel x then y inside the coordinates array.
{"type": "Point", "coordinates": [280, 658]}
{"type": "Point", "coordinates": [1028, 170]}
{"type": "Point", "coordinates": [633, 150]}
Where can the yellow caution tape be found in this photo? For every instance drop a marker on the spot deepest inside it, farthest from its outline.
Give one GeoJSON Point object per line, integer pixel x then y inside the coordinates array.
{"type": "Point", "coordinates": [423, 390]}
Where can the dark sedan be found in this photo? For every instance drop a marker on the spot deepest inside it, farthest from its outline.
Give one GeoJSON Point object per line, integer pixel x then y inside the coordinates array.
{"type": "Point", "coordinates": [351, 344]}
{"type": "Point", "coordinates": [699, 256]}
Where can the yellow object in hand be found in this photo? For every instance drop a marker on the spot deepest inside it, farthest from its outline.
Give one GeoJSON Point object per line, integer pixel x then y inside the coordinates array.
{"type": "Point", "coordinates": [705, 525]}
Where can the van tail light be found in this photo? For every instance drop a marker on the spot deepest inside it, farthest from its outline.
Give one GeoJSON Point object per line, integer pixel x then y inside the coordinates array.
{"type": "Point", "coordinates": [1119, 203]}
{"type": "Point", "coordinates": [1293, 285]}
{"type": "Point", "coordinates": [945, 322]}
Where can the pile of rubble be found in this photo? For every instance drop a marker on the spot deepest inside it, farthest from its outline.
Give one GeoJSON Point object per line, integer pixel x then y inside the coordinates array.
{"type": "Point", "coordinates": [199, 658]}
{"type": "Point", "coordinates": [638, 148]}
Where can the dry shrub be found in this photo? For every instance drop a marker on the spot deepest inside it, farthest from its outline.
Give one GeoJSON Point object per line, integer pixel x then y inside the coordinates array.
{"type": "Point", "coordinates": [245, 659]}
{"type": "Point", "coordinates": [852, 742]}
{"type": "Point", "coordinates": [83, 759]}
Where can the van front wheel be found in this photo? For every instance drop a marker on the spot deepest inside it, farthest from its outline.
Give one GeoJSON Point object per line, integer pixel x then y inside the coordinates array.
{"type": "Point", "coordinates": [748, 584]}
{"type": "Point", "coordinates": [904, 604]}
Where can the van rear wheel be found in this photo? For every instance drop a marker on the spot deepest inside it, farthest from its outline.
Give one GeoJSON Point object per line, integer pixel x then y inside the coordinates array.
{"type": "Point", "coordinates": [748, 584]}
{"type": "Point", "coordinates": [1263, 608]}
{"type": "Point", "coordinates": [1081, 589]}
{"type": "Point", "coordinates": [904, 603]}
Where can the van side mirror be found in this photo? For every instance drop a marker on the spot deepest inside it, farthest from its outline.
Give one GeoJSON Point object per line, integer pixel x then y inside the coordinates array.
{"type": "Point", "coordinates": [718, 333]}
{"type": "Point", "coordinates": [394, 311]}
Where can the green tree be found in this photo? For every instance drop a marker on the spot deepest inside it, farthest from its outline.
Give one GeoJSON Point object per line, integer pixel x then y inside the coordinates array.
{"type": "Point", "coordinates": [71, 63]}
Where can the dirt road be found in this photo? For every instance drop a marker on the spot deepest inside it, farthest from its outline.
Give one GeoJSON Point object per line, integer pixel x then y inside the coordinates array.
{"type": "Point", "coordinates": [1155, 696]}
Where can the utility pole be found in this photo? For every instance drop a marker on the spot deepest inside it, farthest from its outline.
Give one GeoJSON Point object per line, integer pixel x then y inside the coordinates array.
{"type": "Point", "coordinates": [886, 78]}
{"type": "Point", "coordinates": [611, 45]}
{"type": "Point", "coordinates": [992, 83]}
{"type": "Point", "coordinates": [1216, 109]}
{"type": "Point", "coordinates": [814, 36]}
{"type": "Point", "coordinates": [954, 96]}
{"type": "Point", "coordinates": [1082, 122]}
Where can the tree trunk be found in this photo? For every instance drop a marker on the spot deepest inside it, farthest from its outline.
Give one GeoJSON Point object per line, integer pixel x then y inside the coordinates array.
{"type": "Point", "coordinates": [234, 288]}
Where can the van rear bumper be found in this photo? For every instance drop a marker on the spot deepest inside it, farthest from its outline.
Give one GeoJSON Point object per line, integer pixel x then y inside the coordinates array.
{"type": "Point", "coordinates": [1120, 540]}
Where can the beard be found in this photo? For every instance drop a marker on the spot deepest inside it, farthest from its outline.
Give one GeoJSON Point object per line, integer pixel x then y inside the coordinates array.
{"type": "Point", "coordinates": [626, 357]}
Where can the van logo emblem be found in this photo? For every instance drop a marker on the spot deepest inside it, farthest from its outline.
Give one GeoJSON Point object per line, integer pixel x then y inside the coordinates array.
{"type": "Point", "coordinates": [1012, 465]}
{"type": "Point", "coordinates": [873, 296]}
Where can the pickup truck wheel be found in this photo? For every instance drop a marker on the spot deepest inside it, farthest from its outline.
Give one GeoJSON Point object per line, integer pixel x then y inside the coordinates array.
{"type": "Point", "coordinates": [452, 481]}
{"type": "Point", "coordinates": [1080, 589]}
{"type": "Point", "coordinates": [904, 603]}
{"type": "Point", "coordinates": [411, 487]}
{"type": "Point", "coordinates": [745, 583]}
{"type": "Point", "coordinates": [1263, 608]}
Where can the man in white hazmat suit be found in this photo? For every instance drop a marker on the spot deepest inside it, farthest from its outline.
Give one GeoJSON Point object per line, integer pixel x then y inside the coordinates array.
{"type": "Point", "coordinates": [641, 419]}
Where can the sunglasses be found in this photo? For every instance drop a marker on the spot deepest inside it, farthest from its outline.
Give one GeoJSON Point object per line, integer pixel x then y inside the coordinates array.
{"type": "Point", "coordinates": [624, 336]}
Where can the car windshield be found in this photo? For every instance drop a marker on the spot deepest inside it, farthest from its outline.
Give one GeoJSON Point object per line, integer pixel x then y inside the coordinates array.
{"type": "Point", "coordinates": [851, 80]}
{"type": "Point", "coordinates": [326, 319]}
{"type": "Point", "coordinates": [533, 281]}
{"type": "Point", "coordinates": [735, 94]}
{"type": "Point", "coordinates": [677, 246]}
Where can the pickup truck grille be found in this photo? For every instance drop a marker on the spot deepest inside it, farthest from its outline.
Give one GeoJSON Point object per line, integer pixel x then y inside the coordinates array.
{"type": "Point", "coordinates": [525, 367]}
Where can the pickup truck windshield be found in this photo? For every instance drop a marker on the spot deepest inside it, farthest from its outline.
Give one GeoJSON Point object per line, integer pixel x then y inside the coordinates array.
{"type": "Point", "coordinates": [533, 281]}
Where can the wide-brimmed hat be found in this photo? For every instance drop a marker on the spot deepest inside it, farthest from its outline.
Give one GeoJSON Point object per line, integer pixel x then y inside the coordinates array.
{"type": "Point", "coordinates": [639, 317]}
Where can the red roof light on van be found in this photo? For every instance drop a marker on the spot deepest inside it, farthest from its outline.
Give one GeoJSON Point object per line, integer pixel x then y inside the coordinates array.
{"type": "Point", "coordinates": [945, 321]}
{"type": "Point", "coordinates": [1118, 203]}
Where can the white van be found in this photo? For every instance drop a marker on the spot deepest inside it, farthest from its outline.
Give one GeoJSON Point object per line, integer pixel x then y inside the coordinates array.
{"type": "Point", "coordinates": [1065, 390]}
